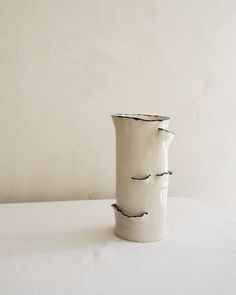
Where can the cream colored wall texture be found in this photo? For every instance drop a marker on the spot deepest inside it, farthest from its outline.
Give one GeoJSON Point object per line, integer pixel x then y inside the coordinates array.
{"type": "Point", "coordinates": [65, 66]}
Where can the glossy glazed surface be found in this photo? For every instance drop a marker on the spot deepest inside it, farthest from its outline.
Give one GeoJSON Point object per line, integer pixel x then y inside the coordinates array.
{"type": "Point", "coordinates": [142, 176]}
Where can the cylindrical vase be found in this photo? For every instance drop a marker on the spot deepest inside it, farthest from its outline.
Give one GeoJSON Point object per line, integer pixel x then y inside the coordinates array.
{"type": "Point", "coordinates": [142, 176]}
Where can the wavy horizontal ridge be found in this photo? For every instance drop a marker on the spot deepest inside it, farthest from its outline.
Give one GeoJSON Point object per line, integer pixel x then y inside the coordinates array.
{"type": "Point", "coordinates": [161, 174]}
{"type": "Point", "coordinates": [141, 178]}
{"type": "Point", "coordinates": [127, 215]}
{"type": "Point", "coordinates": [165, 130]}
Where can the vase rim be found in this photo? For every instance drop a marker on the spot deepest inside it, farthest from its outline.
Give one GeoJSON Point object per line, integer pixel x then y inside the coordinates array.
{"type": "Point", "coordinates": [142, 117]}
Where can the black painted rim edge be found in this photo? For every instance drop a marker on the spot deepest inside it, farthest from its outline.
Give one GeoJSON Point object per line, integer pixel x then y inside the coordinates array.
{"type": "Point", "coordinates": [134, 117]}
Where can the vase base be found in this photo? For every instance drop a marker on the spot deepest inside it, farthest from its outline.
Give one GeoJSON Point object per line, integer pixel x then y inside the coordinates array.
{"type": "Point", "coordinates": [140, 238]}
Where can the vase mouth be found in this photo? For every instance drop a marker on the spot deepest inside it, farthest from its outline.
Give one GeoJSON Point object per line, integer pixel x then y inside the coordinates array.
{"type": "Point", "coordinates": [141, 117]}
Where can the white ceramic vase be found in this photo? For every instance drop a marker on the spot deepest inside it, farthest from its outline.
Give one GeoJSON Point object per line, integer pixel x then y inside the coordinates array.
{"type": "Point", "coordinates": [142, 176]}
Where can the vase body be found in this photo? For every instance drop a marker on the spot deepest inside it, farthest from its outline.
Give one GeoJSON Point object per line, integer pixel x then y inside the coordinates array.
{"type": "Point", "coordinates": [142, 176]}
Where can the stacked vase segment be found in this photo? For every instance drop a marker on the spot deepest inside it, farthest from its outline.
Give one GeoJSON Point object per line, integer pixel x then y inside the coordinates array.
{"type": "Point", "coordinates": [142, 176]}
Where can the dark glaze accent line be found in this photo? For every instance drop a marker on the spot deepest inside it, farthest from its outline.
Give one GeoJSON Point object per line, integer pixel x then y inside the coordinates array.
{"type": "Point", "coordinates": [161, 174]}
{"type": "Point", "coordinates": [141, 178]}
{"type": "Point", "coordinates": [165, 130]}
{"type": "Point", "coordinates": [134, 117]}
{"type": "Point", "coordinates": [129, 216]}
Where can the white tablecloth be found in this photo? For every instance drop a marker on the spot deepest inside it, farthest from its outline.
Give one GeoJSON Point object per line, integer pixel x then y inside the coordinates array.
{"type": "Point", "coordinates": [69, 248]}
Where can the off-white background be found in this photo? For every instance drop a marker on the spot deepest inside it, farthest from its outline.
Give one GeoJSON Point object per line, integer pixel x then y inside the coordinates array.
{"type": "Point", "coordinates": [65, 66]}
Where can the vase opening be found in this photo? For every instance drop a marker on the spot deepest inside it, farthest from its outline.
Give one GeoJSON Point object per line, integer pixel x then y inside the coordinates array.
{"type": "Point", "coordinates": [142, 117]}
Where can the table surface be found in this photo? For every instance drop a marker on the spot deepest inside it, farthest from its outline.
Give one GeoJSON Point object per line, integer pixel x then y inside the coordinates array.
{"type": "Point", "coordinates": [69, 248]}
